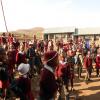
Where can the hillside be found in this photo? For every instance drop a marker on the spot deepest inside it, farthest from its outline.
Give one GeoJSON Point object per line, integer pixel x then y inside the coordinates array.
{"type": "Point", "coordinates": [28, 33]}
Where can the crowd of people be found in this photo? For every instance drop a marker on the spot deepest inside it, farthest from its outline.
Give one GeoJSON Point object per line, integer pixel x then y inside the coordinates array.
{"type": "Point", "coordinates": [56, 64]}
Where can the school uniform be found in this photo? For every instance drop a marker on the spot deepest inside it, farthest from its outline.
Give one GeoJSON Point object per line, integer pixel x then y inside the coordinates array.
{"type": "Point", "coordinates": [88, 66]}
{"type": "Point", "coordinates": [20, 58]}
{"type": "Point", "coordinates": [97, 64]}
{"type": "Point", "coordinates": [48, 85]}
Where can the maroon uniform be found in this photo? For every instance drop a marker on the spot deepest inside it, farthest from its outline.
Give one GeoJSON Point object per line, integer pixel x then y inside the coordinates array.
{"type": "Point", "coordinates": [87, 62]}
{"type": "Point", "coordinates": [97, 64]}
{"type": "Point", "coordinates": [58, 72]}
{"type": "Point", "coordinates": [48, 86]}
{"type": "Point", "coordinates": [88, 66]}
{"type": "Point", "coordinates": [11, 61]}
{"type": "Point", "coordinates": [20, 57]}
{"type": "Point", "coordinates": [25, 85]}
{"type": "Point", "coordinates": [98, 61]}
{"type": "Point", "coordinates": [10, 39]}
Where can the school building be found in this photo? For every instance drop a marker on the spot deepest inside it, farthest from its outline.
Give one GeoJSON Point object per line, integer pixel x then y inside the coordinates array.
{"type": "Point", "coordinates": [91, 34]}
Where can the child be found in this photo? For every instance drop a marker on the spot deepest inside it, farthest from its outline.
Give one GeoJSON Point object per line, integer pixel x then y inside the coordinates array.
{"type": "Point", "coordinates": [22, 86]}
{"type": "Point", "coordinates": [4, 79]}
{"type": "Point", "coordinates": [48, 86]}
{"type": "Point", "coordinates": [98, 62]}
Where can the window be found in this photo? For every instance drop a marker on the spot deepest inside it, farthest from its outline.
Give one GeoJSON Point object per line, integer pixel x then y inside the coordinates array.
{"type": "Point", "coordinates": [51, 36]}
{"type": "Point", "coordinates": [63, 36]}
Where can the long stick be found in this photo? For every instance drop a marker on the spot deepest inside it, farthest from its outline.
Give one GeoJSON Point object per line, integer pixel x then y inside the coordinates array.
{"type": "Point", "coordinates": [4, 16]}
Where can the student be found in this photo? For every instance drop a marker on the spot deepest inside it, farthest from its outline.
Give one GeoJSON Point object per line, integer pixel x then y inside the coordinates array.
{"type": "Point", "coordinates": [88, 65]}
{"type": "Point", "coordinates": [4, 78]}
{"type": "Point", "coordinates": [98, 62]}
{"type": "Point", "coordinates": [22, 85]}
{"type": "Point", "coordinates": [48, 85]}
{"type": "Point", "coordinates": [21, 56]}
{"type": "Point", "coordinates": [30, 55]}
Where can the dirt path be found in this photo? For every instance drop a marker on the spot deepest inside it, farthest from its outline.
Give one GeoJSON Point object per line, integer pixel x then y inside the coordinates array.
{"type": "Point", "coordinates": [83, 91]}
{"type": "Point", "coordinates": [90, 91]}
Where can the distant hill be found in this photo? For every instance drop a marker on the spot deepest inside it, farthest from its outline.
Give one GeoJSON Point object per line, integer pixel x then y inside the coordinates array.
{"type": "Point", "coordinates": [38, 31]}
{"type": "Point", "coordinates": [29, 33]}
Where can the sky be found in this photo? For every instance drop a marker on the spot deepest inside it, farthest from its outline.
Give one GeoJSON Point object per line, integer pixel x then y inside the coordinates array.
{"type": "Point", "coordinates": [25, 14]}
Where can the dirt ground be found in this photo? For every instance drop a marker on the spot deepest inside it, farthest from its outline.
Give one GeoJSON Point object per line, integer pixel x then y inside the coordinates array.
{"type": "Point", "coordinates": [88, 91]}
{"type": "Point", "coordinates": [83, 90]}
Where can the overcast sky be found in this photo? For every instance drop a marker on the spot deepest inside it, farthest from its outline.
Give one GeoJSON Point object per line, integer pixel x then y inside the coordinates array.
{"type": "Point", "coordinates": [24, 14]}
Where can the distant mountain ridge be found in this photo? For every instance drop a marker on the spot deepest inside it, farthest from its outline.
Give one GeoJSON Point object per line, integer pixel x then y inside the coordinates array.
{"type": "Point", "coordinates": [29, 33]}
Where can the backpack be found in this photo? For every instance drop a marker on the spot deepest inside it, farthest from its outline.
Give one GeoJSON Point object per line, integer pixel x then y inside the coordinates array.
{"type": "Point", "coordinates": [3, 72]}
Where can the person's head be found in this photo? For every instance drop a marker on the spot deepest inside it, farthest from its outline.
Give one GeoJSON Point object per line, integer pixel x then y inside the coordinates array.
{"type": "Point", "coordinates": [11, 47]}
{"type": "Point", "coordinates": [70, 53]}
{"type": "Point", "coordinates": [88, 53]}
{"type": "Point", "coordinates": [9, 34]}
{"type": "Point", "coordinates": [23, 69]}
{"type": "Point", "coordinates": [51, 59]}
{"type": "Point", "coordinates": [3, 34]}
{"type": "Point", "coordinates": [30, 44]}
{"type": "Point", "coordinates": [78, 49]}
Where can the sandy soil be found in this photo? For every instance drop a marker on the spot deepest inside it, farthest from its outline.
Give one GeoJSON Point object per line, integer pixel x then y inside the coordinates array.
{"type": "Point", "coordinates": [83, 90]}
{"type": "Point", "coordinates": [90, 90]}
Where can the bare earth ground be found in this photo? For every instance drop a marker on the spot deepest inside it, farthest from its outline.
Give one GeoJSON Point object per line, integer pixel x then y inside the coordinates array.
{"type": "Point", "coordinates": [83, 91]}
{"type": "Point", "coordinates": [90, 91]}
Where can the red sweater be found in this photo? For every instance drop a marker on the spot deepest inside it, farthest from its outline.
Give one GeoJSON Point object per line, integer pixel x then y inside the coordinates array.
{"type": "Point", "coordinates": [25, 85]}
{"type": "Point", "coordinates": [87, 62]}
{"type": "Point", "coordinates": [98, 61]}
{"type": "Point", "coordinates": [58, 72]}
{"type": "Point", "coordinates": [48, 86]}
{"type": "Point", "coordinates": [20, 58]}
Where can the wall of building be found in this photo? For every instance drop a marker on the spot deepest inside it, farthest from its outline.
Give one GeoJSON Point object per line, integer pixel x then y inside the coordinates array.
{"type": "Point", "coordinates": [58, 36]}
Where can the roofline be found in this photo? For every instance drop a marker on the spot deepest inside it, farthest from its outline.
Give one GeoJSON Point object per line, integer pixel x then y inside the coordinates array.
{"type": "Point", "coordinates": [84, 34]}
{"type": "Point", "coordinates": [60, 33]}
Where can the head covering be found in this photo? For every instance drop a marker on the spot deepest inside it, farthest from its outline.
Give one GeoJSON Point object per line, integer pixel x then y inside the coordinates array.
{"type": "Point", "coordinates": [23, 68]}
{"type": "Point", "coordinates": [50, 55]}
{"type": "Point", "coordinates": [51, 58]}
{"type": "Point", "coordinates": [30, 43]}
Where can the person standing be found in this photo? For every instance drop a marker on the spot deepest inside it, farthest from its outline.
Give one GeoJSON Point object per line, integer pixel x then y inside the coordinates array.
{"type": "Point", "coordinates": [48, 85]}
{"type": "Point", "coordinates": [4, 77]}
{"type": "Point", "coordinates": [98, 62]}
{"type": "Point", "coordinates": [79, 63]}
{"type": "Point", "coordinates": [88, 65]}
{"type": "Point", "coordinates": [30, 55]}
{"type": "Point", "coordinates": [21, 86]}
{"type": "Point", "coordinates": [21, 56]}
{"type": "Point", "coordinates": [70, 69]}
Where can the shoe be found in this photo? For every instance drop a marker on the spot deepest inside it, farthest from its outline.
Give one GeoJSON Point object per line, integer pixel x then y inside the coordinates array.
{"type": "Point", "coordinates": [97, 75]}
{"type": "Point", "coordinates": [89, 80]}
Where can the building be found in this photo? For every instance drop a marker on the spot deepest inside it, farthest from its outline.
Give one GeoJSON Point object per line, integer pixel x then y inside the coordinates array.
{"type": "Point", "coordinates": [59, 32]}
{"type": "Point", "coordinates": [91, 34]}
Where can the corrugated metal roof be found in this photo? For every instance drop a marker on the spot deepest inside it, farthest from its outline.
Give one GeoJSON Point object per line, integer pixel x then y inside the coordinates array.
{"type": "Point", "coordinates": [89, 31]}
{"type": "Point", "coordinates": [59, 30]}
